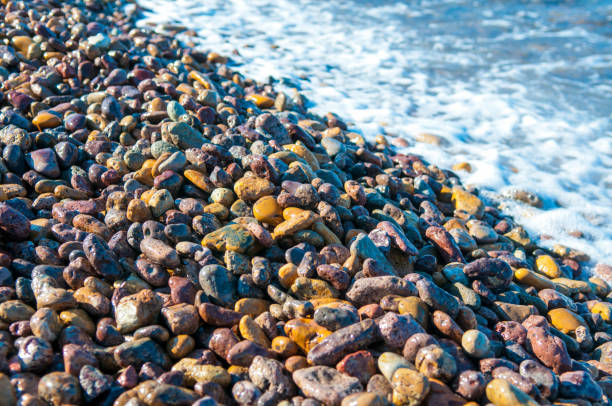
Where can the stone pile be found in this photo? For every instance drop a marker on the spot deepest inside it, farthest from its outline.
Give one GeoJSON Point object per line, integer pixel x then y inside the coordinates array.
{"type": "Point", "coordinates": [173, 233]}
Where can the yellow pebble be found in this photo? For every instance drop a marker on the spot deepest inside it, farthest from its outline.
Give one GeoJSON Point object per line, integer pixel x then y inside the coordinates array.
{"type": "Point", "coordinates": [309, 288]}
{"type": "Point", "coordinates": [306, 333]}
{"type": "Point", "coordinates": [44, 119]}
{"type": "Point", "coordinates": [415, 307]}
{"type": "Point", "coordinates": [329, 302]}
{"type": "Point", "coordinates": [527, 277]}
{"type": "Point", "coordinates": [218, 210]}
{"type": "Point", "coordinates": [565, 320]}
{"type": "Point", "coordinates": [199, 180]}
{"type": "Point", "coordinates": [502, 393]}
{"type": "Point", "coordinates": [249, 330]}
{"type": "Point", "coordinates": [261, 101]}
{"type": "Point", "coordinates": [251, 189]}
{"type": "Point", "coordinates": [251, 306]}
{"type": "Point", "coordinates": [305, 153]}
{"type": "Point", "coordinates": [284, 346]}
{"type": "Point", "coordinates": [604, 309]}
{"type": "Point", "coordinates": [546, 265]}
{"type": "Point", "coordinates": [287, 274]}
{"type": "Point", "coordinates": [22, 43]}
{"type": "Point", "coordinates": [267, 210]}
{"type": "Point", "coordinates": [572, 286]}
{"type": "Point", "coordinates": [327, 234]}
{"type": "Point", "coordinates": [301, 221]}
{"type": "Point", "coordinates": [465, 201]}
{"type": "Point", "coordinates": [198, 77]}
{"type": "Point", "coordinates": [78, 318]}
{"type": "Point", "coordinates": [291, 212]}
{"type": "Point", "coordinates": [463, 166]}
{"type": "Point", "coordinates": [410, 387]}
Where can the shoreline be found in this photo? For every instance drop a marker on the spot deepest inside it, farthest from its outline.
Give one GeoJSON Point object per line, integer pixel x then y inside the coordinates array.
{"type": "Point", "coordinates": [388, 86]}
{"type": "Point", "coordinates": [173, 232]}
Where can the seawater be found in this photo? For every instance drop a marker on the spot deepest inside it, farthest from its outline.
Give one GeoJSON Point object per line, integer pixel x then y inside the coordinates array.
{"type": "Point", "coordinates": [520, 89]}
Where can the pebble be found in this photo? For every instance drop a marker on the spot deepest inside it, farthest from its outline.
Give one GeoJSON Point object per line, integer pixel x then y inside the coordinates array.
{"type": "Point", "coordinates": [341, 342]}
{"type": "Point", "coordinates": [360, 364]}
{"type": "Point", "coordinates": [396, 329]}
{"type": "Point", "coordinates": [137, 310]}
{"type": "Point", "coordinates": [389, 362]}
{"type": "Point", "coordinates": [35, 354]}
{"type": "Point", "coordinates": [140, 351]}
{"type": "Point", "coordinates": [363, 398]}
{"type": "Point", "coordinates": [467, 202]}
{"type": "Point", "coordinates": [437, 298]}
{"type": "Point", "coordinates": [409, 387]}
{"type": "Point", "coordinates": [233, 237]}
{"type": "Point", "coordinates": [435, 362]}
{"type": "Point", "coordinates": [267, 210]}
{"type": "Point", "coordinates": [13, 224]}
{"type": "Point", "coordinates": [565, 320]}
{"type": "Point", "coordinates": [159, 252]}
{"type": "Point", "coordinates": [470, 384]}
{"type": "Point", "coordinates": [181, 318]}
{"type": "Point", "coordinates": [579, 384]}
{"type": "Point", "coordinates": [252, 189]}
{"type": "Point", "coordinates": [59, 388]}
{"type": "Point", "coordinates": [9, 397]}
{"type": "Point", "coordinates": [218, 284]}
{"type": "Point", "coordinates": [93, 382]}
{"type": "Point", "coordinates": [494, 273]}
{"type": "Point", "coordinates": [43, 161]}
{"type": "Point", "coordinates": [45, 119]}
{"type": "Point", "coordinates": [545, 380]}
{"type": "Point", "coordinates": [549, 349]}
{"type": "Point", "coordinates": [326, 384]}
{"type": "Point", "coordinates": [269, 376]}
{"type": "Point", "coordinates": [475, 344]}
{"type": "Point", "coordinates": [502, 393]}
{"type": "Point", "coordinates": [370, 290]}
{"type": "Point", "coordinates": [364, 248]}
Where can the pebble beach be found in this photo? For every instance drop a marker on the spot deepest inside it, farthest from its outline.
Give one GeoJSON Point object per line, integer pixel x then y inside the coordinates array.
{"type": "Point", "coordinates": [173, 232]}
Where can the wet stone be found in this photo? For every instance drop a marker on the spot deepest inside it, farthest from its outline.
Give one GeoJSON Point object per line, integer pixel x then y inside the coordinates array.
{"type": "Point", "coordinates": [348, 339]}
{"type": "Point", "coordinates": [13, 224]}
{"type": "Point", "coordinates": [59, 388]}
{"type": "Point", "coordinates": [397, 329]}
{"type": "Point", "coordinates": [93, 382]}
{"type": "Point", "coordinates": [218, 283]}
{"type": "Point", "coordinates": [545, 380]}
{"type": "Point", "coordinates": [137, 310]}
{"type": "Point", "coordinates": [140, 351]}
{"type": "Point", "coordinates": [326, 384]}
{"type": "Point", "coordinates": [371, 290]}
{"type": "Point", "coordinates": [35, 354]}
{"type": "Point", "coordinates": [43, 161]}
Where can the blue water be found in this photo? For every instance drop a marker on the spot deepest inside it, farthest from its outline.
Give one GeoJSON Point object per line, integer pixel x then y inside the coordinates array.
{"type": "Point", "coordinates": [520, 89]}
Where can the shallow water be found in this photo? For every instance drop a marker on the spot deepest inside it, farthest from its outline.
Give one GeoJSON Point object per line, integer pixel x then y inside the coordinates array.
{"type": "Point", "coordinates": [520, 89]}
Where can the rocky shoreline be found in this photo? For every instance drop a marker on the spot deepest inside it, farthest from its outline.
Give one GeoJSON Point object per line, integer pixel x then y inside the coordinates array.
{"type": "Point", "coordinates": [174, 233]}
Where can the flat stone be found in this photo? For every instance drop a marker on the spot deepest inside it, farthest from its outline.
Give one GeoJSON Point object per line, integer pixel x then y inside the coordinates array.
{"type": "Point", "coordinates": [44, 162]}
{"type": "Point", "coordinates": [138, 352]}
{"type": "Point", "coordinates": [326, 384]}
{"type": "Point", "coordinates": [364, 248]}
{"type": "Point", "coordinates": [344, 341]}
{"type": "Point", "coordinates": [232, 237]}
{"type": "Point", "coordinates": [218, 284]}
